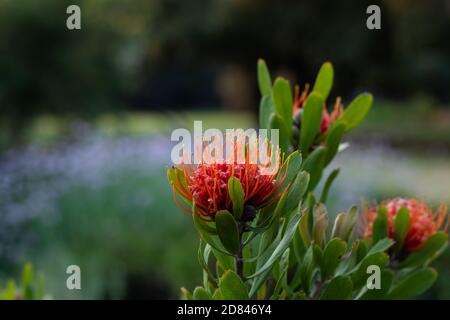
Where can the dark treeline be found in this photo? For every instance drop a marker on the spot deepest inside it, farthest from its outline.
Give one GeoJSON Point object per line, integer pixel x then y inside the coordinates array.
{"type": "Point", "coordinates": [159, 54]}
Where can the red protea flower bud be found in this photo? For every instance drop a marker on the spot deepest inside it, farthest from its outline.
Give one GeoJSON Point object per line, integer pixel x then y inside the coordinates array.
{"type": "Point", "coordinates": [423, 222]}
{"type": "Point", "coordinates": [206, 184]}
{"type": "Point", "coordinates": [327, 117]}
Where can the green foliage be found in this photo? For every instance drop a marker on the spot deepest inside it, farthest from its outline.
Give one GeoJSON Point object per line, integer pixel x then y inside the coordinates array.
{"type": "Point", "coordinates": [231, 287]}
{"type": "Point", "coordinates": [31, 286]}
{"type": "Point", "coordinates": [292, 249]}
{"type": "Point", "coordinates": [324, 80]}
{"type": "Point", "coordinates": [236, 193]}
{"type": "Point", "coordinates": [339, 288]}
{"type": "Point", "coordinates": [311, 118]}
{"type": "Point", "coordinates": [413, 284]}
{"type": "Point", "coordinates": [227, 230]}
{"type": "Point", "coordinates": [428, 252]}
{"type": "Point", "coordinates": [401, 226]}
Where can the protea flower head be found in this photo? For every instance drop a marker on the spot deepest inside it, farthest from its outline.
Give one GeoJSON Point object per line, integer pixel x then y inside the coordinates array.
{"type": "Point", "coordinates": [327, 117]}
{"type": "Point", "coordinates": [423, 222]}
{"type": "Point", "coordinates": [206, 184]}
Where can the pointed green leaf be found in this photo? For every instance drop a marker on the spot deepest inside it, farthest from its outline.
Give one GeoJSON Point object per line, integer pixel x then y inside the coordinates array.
{"type": "Point", "coordinates": [237, 196]}
{"type": "Point", "coordinates": [27, 279]}
{"type": "Point", "coordinates": [429, 251]}
{"type": "Point", "coordinates": [326, 187]}
{"type": "Point", "coordinates": [320, 223]}
{"type": "Point", "coordinates": [264, 81]}
{"type": "Point", "coordinates": [307, 269]}
{"type": "Point", "coordinates": [333, 139]}
{"type": "Point", "coordinates": [401, 226]}
{"type": "Point", "coordinates": [324, 80]}
{"type": "Point", "coordinates": [266, 109]}
{"type": "Point", "coordinates": [381, 246]}
{"type": "Point", "coordinates": [413, 285]}
{"type": "Point", "coordinates": [380, 228]}
{"type": "Point", "coordinates": [281, 246]}
{"type": "Point", "coordinates": [297, 191]}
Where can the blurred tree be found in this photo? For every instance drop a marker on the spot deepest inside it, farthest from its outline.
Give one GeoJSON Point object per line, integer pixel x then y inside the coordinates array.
{"type": "Point", "coordinates": [157, 54]}
{"type": "Point", "coordinates": [46, 68]}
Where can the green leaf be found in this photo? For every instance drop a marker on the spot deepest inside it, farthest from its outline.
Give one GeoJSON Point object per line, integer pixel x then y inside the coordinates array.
{"type": "Point", "coordinates": [339, 288]}
{"type": "Point", "coordinates": [281, 278]}
{"type": "Point", "coordinates": [27, 279]}
{"type": "Point", "coordinates": [385, 285]}
{"type": "Point", "coordinates": [380, 228]}
{"type": "Point", "coordinates": [381, 246]}
{"type": "Point", "coordinates": [9, 293]}
{"type": "Point", "coordinates": [203, 257]}
{"type": "Point", "coordinates": [227, 230]}
{"type": "Point", "coordinates": [311, 119]}
{"type": "Point", "coordinates": [429, 251]}
{"type": "Point", "coordinates": [297, 191]}
{"type": "Point", "coordinates": [334, 136]}
{"type": "Point", "coordinates": [276, 122]}
{"type": "Point", "coordinates": [237, 196]}
{"type": "Point", "coordinates": [324, 80]}
{"type": "Point", "coordinates": [201, 294]}
{"type": "Point", "coordinates": [175, 175]}
{"type": "Point", "coordinates": [344, 224]}
{"type": "Point", "coordinates": [307, 269]}
{"type": "Point", "coordinates": [355, 112]}
{"type": "Point", "coordinates": [202, 226]}
{"type": "Point", "coordinates": [320, 223]}
{"type": "Point", "coordinates": [282, 98]}
{"type": "Point", "coordinates": [362, 250]}
{"type": "Point", "coordinates": [332, 256]}
{"type": "Point", "coordinates": [326, 187]}
{"type": "Point", "coordinates": [303, 227]}
{"type": "Point", "coordinates": [281, 247]}
{"type": "Point", "coordinates": [218, 295]}
{"type": "Point", "coordinates": [359, 273]}
{"type": "Point", "coordinates": [314, 164]}
{"type": "Point", "coordinates": [317, 255]}
{"type": "Point", "coordinates": [232, 287]}
{"type": "Point", "coordinates": [264, 80]}
{"type": "Point", "coordinates": [413, 285]}
{"type": "Point", "coordinates": [289, 170]}
{"type": "Point", "coordinates": [401, 226]}
{"type": "Point", "coordinates": [266, 108]}
{"type": "Point", "coordinates": [186, 294]}
{"type": "Point", "coordinates": [269, 241]}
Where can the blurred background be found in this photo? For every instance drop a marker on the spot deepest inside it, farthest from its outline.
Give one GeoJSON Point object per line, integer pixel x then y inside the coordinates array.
{"type": "Point", "coordinates": [86, 117]}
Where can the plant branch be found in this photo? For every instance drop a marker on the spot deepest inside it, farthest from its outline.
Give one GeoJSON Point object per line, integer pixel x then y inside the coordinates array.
{"type": "Point", "coordinates": [240, 256]}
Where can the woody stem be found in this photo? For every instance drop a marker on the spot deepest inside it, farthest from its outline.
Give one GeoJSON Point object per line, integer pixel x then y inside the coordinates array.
{"type": "Point", "coordinates": [240, 256]}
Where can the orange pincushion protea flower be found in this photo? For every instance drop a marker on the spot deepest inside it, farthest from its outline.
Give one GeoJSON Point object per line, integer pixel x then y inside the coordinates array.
{"type": "Point", "coordinates": [207, 185]}
{"type": "Point", "coordinates": [327, 118]}
{"type": "Point", "coordinates": [423, 222]}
